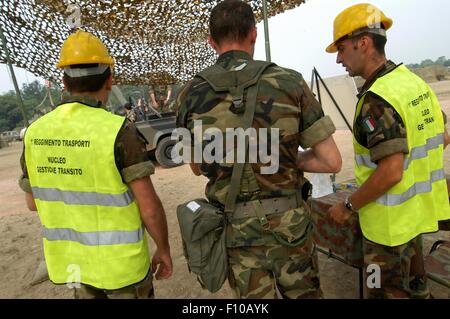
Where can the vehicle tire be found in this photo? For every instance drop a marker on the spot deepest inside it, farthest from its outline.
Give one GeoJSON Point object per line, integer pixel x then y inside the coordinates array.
{"type": "Point", "coordinates": [163, 150]}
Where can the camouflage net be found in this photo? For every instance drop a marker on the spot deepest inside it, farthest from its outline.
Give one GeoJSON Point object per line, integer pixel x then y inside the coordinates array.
{"type": "Point", "coordinates": [152, 41]}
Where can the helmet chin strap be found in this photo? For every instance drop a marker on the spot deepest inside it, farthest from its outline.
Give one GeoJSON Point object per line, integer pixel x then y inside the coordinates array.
{"type": "Point", "coordinates": [74, 72]}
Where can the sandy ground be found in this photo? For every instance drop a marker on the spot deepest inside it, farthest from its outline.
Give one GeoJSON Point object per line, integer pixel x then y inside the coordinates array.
{"type": "Point", "coordinates": [21, 247]}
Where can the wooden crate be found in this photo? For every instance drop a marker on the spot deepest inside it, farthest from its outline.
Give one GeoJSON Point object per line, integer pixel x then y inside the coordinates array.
{"type": "Point", "coordinates": [345, 240]}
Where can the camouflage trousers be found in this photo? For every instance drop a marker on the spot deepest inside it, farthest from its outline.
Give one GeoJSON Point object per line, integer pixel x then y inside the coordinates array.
{"type": "Point", "coordinates": [140, 290]}
{"type": "Point", "coordinates": [258, 272]}
{"type": "Point", "coordinates": [402, 270]}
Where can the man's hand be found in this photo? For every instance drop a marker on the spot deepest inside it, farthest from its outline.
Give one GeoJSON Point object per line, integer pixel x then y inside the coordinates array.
{"type": "Point", "coordinates": [154, 218]}
{"type": "Point", "coordinates": [339, 213]}
{"type": "Point", "coordinates": [162, 264]}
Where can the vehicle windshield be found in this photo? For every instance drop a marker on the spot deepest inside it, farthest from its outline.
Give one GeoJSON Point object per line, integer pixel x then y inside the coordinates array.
{"type": "Point", "coordinates": [143, 101]}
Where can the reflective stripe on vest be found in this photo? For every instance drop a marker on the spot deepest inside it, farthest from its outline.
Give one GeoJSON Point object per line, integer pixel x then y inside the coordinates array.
{"type": "Point", "coordinates": [417, 188]}
{"type": "Point", "coordinates": [90, 219]}
{"type": "Point", "coordinates": [94, 238]}
{"type": "Point", "coordinates": [82, 198]}
{"type": "Point", "coordinates": [416, 153]}
{"type": "Point", "coordinates": [415, 204]}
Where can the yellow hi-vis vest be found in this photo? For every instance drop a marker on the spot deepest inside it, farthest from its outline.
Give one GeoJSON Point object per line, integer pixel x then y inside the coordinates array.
{"type": "Point", "coordinates": [416, 204]}
{"type": "Point", "coordinates": [92, 229]}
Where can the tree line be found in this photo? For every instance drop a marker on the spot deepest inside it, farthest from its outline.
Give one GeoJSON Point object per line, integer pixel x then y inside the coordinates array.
{"type": "Point", "coordinates": [37, 102]}
{"type": "Point", "coordinates": [442, 61]}
{"type": "Point", "coordinates": [33, 95]}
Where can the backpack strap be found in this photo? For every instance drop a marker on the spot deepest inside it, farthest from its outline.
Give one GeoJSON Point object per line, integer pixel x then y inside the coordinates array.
{"type": "Point", "coordinates": [236, 176]}
{"type": "Point", "coordinates": [243, 78]}
{"type": "Point", "coordinates": [235, 81]}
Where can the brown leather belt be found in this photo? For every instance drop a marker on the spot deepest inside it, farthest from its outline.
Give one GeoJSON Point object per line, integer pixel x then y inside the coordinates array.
{"type": "Point", "coordinates": [269, 205]}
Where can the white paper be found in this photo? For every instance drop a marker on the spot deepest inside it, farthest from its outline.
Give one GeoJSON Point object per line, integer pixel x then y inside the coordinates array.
{"type": "Point", "coordinates": [322, 185]}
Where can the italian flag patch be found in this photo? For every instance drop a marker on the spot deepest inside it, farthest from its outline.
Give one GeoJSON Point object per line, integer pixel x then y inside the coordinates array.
{"type": "Point", "coordinates": [369, 124]}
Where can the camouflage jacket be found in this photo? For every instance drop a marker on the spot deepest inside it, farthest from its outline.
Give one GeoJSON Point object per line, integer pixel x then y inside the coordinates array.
{"type": "Point", "coordinates": [284, 102]}
{"type": "Point", "coordinates": [389, 136]}
{"type": "Point", "coordinates": [130, 151]}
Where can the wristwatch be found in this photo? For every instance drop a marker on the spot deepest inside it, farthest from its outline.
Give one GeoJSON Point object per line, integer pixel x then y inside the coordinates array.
{"type": "Point", "coordinates": [349, 205]}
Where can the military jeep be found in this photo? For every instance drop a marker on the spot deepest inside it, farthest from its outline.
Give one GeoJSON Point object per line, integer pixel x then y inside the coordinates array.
{"type": "Point", "coordinates": [155, 126]}
{"type": "Point", "coordinates": [157, 129]}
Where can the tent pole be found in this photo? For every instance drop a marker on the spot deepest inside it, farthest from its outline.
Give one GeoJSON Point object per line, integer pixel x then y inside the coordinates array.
{"type": "Point", "coordinates": [266, 31]}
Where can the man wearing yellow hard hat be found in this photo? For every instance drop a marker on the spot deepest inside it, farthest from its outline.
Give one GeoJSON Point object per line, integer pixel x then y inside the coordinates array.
{"type": "Point", "coordinates": [86, 172]}
{"type": "Point", "coordinates": [399, 136]}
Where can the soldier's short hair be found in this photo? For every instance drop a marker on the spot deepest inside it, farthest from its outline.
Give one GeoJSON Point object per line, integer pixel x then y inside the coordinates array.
{"type": "Point", "coordinates": [231, 20]}
{"type": "Point", "coordinates": [91, 83]}
{"type": "Point", "coordinates": [379, 41]}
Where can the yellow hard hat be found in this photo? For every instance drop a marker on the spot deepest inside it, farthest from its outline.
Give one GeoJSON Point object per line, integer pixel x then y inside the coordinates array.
{"type": "Point", "coordinates": [360, 16]}
{"type": "Point", "coordinates": [82, 47]}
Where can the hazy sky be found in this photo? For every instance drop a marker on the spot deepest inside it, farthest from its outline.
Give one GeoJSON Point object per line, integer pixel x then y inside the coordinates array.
{"type": "Point", "coordinates": [298, 37]}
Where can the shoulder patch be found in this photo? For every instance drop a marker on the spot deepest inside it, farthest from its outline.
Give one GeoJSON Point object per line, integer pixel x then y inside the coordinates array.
{"type": "Point", "coordinates": [369, 124]}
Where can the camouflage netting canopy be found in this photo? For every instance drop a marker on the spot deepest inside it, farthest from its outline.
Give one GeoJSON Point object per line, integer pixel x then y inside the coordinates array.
{"type": "Point", "coordinates": [152, 41]}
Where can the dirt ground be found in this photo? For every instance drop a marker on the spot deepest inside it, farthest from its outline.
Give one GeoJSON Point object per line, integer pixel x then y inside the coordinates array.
{"type": "Point", "coordinates": [21, 247]}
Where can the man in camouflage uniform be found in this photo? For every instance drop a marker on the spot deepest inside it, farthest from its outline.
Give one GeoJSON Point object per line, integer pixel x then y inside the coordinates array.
{"type": "Point", "coordinates": [90, 92]}
{"type": "Point", "coordinates": [360, 38]}
{"type": "Point", "coordinates": [279, 254]}
{"type": "Point", "coordinates": [160, 97]}
{"type": "Point", "coordinates": [130, 114]}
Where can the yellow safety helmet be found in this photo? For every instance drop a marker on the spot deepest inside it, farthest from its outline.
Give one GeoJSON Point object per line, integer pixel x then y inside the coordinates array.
{"type": "Point", "coordinates": [82, 47]}
{"type": "Point", "coordinates": [362, 17]}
